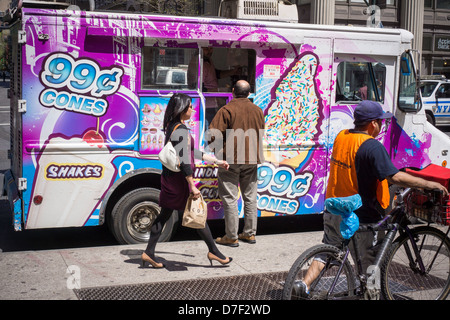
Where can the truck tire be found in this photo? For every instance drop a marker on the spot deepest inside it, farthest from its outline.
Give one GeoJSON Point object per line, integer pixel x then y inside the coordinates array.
{"type": "Point", "coordinates": [134, 214]}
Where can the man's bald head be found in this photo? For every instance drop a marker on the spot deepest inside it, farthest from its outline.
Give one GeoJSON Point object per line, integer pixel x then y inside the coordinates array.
{"type": "Point", "coordinates": [241, 89]}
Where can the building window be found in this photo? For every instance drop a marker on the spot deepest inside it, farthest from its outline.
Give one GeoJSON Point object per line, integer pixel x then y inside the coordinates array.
{"type": "Point", "coordinates": [428, 4]}
{"type": "Point", "coordinates": [427, 44]}
{"type": "Point", "coordinates": [388, 2]}
{"type": "Point", "coordinates": [443, 4]}
{"type": "Point", "coordinates": [383, 5]}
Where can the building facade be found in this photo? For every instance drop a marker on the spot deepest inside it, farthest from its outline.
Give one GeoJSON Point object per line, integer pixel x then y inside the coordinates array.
{"type": "Point", "coordinates": [428, 20]}
{"type": "Point", "coordinates": [436, 37]}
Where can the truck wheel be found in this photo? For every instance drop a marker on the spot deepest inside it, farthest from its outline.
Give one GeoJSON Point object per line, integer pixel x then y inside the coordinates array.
{"type": "Point", "coordinates": [134, 214]}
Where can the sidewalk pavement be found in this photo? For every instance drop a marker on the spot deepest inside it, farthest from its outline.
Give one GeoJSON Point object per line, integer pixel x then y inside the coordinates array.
{"type": "Point", "coordinates": [50, 274]}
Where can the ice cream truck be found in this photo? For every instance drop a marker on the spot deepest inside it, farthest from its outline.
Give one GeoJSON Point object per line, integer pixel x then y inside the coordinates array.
{"type": "Point", "coordinates": [89, 90]}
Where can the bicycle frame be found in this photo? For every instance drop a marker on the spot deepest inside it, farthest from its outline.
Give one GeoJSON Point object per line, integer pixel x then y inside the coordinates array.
{"type": "Point", "coordinates": [333, 285]}
{"type": "Point", "coordinates": [369, 282]}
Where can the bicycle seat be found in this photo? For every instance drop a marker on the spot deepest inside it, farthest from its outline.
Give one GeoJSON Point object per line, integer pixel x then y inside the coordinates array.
{"type": "Point", "coordinates": [344, 206]}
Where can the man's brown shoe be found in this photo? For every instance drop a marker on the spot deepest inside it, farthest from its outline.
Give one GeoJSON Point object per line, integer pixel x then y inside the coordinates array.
{"type": "Point", "coordinates": [227, 241]}
{"type": "Point", "coordinates": [246, 238]}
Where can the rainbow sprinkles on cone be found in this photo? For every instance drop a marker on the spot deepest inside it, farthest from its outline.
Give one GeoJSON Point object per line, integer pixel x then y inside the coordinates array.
{"type": "Point", "coordinates": [293, 117]}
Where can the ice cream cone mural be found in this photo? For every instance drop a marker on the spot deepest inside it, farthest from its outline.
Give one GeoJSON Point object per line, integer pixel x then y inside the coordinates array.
{"type": "Point", "coordinates": [292, 122]}
{"type": "Point", "coordinates": [293, 117]}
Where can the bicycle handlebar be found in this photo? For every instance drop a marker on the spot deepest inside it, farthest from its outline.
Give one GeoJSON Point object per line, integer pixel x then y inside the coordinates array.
{"type": "Point", "coordinates": [384, 224]}
{"type": "Point", "coordinates": [402, 195]}
{"type": "Point", "coordinates": [399, 205]}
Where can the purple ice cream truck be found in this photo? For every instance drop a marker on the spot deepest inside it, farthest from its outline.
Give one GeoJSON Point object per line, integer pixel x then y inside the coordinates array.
{"type": "Point", "coordinates": [89, 90]}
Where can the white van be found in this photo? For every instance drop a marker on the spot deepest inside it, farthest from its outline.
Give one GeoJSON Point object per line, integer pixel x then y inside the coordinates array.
{"type": "Point", "coordinates": [173, 77]}
{"type": "Point", "coordinates": [436, 99]}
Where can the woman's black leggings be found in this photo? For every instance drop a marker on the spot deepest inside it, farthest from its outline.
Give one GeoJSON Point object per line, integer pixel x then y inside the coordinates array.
{"type": "Point", "coordinates": [158, 225]}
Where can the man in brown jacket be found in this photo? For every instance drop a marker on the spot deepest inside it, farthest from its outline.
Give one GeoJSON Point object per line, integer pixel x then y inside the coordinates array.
{"type": "Point", "coordinates": [241, 124]}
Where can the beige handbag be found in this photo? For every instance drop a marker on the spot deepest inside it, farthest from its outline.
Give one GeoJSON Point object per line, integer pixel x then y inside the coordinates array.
{"type": "Point", "coordinates": [195, 213]}
{"type": "Point", "coordinates": [168, 156]}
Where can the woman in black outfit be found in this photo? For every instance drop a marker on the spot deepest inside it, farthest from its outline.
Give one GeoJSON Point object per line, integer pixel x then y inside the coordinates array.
{"type": "Point", "coordinates": [176, 186]}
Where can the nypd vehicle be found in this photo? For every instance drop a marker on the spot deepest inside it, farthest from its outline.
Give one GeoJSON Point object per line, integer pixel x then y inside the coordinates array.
{"type": "Point", "coordinates": [436, 99]}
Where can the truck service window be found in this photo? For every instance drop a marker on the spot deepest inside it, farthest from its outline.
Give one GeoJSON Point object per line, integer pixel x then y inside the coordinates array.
{"type": "Point", "coordinates": [221, 69]}
{"type": "Point", "coordinates": [358, 81]}
{"type": "Point", "coordinates": [167, 68]}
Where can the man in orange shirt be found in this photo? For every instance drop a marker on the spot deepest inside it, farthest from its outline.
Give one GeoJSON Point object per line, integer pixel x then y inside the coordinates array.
{"type": "Point", "coordinates": [360, 164]}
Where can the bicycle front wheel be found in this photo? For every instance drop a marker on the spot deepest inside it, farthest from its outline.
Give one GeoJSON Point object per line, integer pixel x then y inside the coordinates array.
{"type": "Point", "coordinates": [403, 277]}
{"type": "Point", "coordinates": [320, 263]}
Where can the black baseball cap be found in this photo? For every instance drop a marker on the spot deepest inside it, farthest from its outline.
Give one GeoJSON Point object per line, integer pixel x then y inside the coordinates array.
{"type": "Point", "coordinates": [367, 111]}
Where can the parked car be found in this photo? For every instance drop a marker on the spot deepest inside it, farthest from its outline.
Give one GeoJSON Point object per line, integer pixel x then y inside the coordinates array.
{"type": "Point", "coordinates": [436, 99]}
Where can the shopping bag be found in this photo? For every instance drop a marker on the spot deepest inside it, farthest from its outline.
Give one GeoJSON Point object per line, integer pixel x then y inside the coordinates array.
{"type": "Point", "coordinates": [195, 213]}
{"type": "Point", "coordinates": [169, 157]}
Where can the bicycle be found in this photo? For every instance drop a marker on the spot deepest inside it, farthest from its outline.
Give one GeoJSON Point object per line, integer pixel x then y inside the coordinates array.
{"type": "Point", "coordinates": [414, 266]}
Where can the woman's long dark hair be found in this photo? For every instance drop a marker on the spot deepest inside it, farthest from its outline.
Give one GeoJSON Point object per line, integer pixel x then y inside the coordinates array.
{"type": "Point", "coordinates": [178, 104]}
